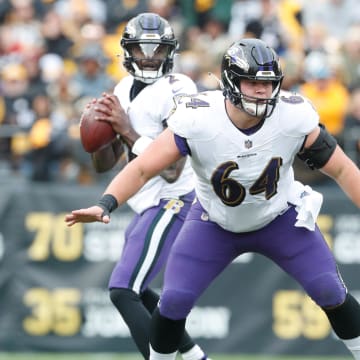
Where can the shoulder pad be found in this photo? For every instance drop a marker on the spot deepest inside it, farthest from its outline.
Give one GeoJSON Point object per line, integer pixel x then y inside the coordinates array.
{"type": "Point", "coordinates": [297, 117]}
{"type": "Point", "coordinates": [190, 117]}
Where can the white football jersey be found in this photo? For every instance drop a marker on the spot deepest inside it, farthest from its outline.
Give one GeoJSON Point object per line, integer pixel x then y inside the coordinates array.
{"type": "Point", "coordinates": [147, 112]}
{"type": "Point", "coordinates": [242, 181]}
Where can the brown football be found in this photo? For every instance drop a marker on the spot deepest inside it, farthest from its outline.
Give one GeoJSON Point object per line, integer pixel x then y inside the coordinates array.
{"type": "Point", "coordinates": [94, 134]}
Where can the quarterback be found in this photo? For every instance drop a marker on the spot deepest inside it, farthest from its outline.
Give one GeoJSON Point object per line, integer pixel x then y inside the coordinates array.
{"type": "Point", "coordinates": [137, 110]}
{"type": "Point", "coordinates": [242, 142]}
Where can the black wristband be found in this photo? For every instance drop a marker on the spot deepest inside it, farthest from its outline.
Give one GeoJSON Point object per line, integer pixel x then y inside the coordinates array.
{"type": "Point", "coordinates": [108, 203]}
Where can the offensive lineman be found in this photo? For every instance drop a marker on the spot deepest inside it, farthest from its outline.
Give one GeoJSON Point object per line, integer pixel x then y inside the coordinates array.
{"type": "Point", "coordinates": [242, 143]}
{"type": "Point", "coordinates": [137, 111]}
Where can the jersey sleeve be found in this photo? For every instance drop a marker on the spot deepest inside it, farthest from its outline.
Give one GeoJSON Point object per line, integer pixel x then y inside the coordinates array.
{"type": "Point", "coordinates": [298, 115]}
{"type": "Point", "coordinates": [195, 117]}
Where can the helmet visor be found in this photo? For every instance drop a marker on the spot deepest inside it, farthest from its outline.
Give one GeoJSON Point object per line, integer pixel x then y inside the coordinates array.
{"type": "Point", "coordinates": [149, 56]}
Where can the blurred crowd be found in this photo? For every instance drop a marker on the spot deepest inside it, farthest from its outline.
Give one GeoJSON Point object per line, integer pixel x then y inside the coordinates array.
{"type": "Point", "coordinates": [56, 55]}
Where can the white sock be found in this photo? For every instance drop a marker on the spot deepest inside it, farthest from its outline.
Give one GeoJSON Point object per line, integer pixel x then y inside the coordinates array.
{"type": "Point", "coordinates": [157, 356]}
{"type": "Point", "coordinates": [354, 346]}
{"type": "Point", "coordinates": [195, 353]}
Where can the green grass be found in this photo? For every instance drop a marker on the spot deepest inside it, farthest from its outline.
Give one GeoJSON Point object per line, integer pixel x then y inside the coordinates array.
{"type": "Point", "coordinates": [123, 356]}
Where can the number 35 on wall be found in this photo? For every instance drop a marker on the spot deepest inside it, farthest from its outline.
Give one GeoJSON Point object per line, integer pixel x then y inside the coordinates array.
{"type": "Point", "coordinates": [52, 311]}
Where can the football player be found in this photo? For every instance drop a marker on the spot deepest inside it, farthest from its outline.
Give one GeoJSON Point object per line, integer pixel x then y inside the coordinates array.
{"type": "Point", "coordinates": [242, 142]}
{"type": "Point", "coordinates": [137, 111]}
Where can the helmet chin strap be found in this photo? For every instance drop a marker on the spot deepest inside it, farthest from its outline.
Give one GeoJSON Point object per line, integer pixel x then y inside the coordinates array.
{"type": "Point", "coordinates": [147, 76]}
{"type": "Point", "coordinates": [256, 109]}
{"type": "Point", "coordinates": [252, 108]}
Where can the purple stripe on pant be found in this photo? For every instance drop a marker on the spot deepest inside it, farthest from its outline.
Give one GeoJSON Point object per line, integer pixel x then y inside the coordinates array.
{"type": "Point", "coordinates": [137, 236]}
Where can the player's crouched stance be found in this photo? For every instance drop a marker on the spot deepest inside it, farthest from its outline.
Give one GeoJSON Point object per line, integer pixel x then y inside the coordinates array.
{"type": "Point", "coordinates": [242, 143]}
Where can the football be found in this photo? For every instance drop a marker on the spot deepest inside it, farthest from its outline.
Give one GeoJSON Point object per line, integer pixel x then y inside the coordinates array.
{"type": "Point", "coordinates": [94, 134]}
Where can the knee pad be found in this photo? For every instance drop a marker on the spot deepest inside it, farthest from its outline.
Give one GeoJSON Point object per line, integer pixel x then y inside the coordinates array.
{"type": "Point", "coordinates": [175, 304]}
{"type": "Point", "coordinates": [327, 290]}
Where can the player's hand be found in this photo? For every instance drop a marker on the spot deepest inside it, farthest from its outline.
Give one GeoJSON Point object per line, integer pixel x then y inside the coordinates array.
{"type": "Point", "coordinates": [112, 111]}
{"type": "Point", "coordinates": [91, 214]}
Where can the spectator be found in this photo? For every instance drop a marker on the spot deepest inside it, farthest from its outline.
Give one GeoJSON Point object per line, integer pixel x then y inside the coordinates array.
{"type": "Point", "coordinates": [351, 57]}
{"type": "Point", "coordinates": [328, 95]}
{"type": "Point", "coordinates": [243, 12]}
{"type": "Point", "coordinates": [292, 63]}
{"type": "Point", "coordinates": [316, 38]}
{"type": "Point", "coordinates": [189, 64]}
{"type": "Point", "coordinates": [258, 18]}
{"type": "Point", "coordinates": [352, 127]}
{"type": "Point", "coordinates": [91, 79]}
{"type": "Point", "coordinates": [17, 112]}
{"type": "Point", "coordinates": [119, 12]}
{"type": "Point", "coordinates": [196, 13]}
{"type": "Point", "coordinates": [21, 29]}
{"type": "Point", "coordinates": [48, 142]}
{"type": "Point", "coordinates": [290, 14]}
{"type": "Point", "coordinates": [31, 59]}
{"type": "Point", "coordinates": [56, 39]}
{"type": "Point", "coordinates": [342, 13]}
{"type": "Point", "coordinates": [81, 11]}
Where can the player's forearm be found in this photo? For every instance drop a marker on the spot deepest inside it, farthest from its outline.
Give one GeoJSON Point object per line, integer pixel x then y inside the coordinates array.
{"type": "Point", "coordinates": [159, 155]}
{"type": "Point", "coordinates": [344, 171]}
{"type": "Point", "coordinates": [129, 137]}
{"type": "Point", "coordinates": [127, 183]}
{"type": "Point", "coordinates": [349, 180]}
{"type": "Point", "coordinates": [106, 157]}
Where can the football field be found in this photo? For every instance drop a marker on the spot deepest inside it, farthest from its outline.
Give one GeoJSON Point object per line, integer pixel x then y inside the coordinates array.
{"type": "Point", "coordinates": [123, 356]}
